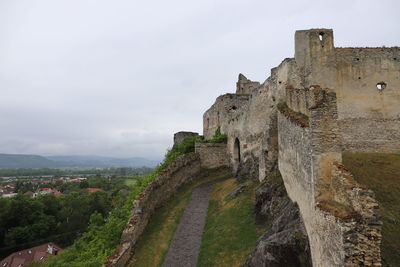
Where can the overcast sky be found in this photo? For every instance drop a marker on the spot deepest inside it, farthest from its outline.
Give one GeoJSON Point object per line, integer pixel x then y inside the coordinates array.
{"type": "Point", "coordinates": [118, 78]}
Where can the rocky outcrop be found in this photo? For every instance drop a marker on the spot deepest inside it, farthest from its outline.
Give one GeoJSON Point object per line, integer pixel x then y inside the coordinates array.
{"type": "Point", "coordinates": [286, 241]}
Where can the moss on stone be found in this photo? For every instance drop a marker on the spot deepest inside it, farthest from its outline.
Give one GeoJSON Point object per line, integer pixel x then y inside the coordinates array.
{"type": "Point", "coordinates": [295, 116]}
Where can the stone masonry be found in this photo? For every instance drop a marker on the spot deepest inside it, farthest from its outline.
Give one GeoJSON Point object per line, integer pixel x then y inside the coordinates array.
{"type": "Point", "coordinates": [359, 112]}
{"type": "Point", "coordinates": [212, 155]}
{"type": "Point", "coordinates": [294, 124]}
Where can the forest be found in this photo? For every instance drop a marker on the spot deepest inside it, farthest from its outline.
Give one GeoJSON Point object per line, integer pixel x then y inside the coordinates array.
{"type": "Point", "coordinates": [26, 222]}
{"type": "Point", "coordinates": [87, 226]}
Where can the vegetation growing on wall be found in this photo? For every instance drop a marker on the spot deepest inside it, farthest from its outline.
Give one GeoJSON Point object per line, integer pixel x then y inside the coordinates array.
{"type": "Point", "coordinates": [217, 138]}
{"type": "Point", "coordinates": [298, 117]}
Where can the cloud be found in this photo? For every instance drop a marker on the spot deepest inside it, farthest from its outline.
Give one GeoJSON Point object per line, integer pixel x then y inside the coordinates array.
{"type": "Point", "coordinates": [120, 77]}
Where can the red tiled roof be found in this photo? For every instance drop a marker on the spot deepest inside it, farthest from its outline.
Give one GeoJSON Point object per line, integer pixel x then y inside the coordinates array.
{"type": "Point", "coordinates": [44, 189]}
{"type": "Point", "coordinates": [93, 189]}
{"type": "Point", "coordinates": [29, 255]}
{"type": "Point", "coordinates": [56, 192]}
{"type": "Point", "coordinates": [17, 262]}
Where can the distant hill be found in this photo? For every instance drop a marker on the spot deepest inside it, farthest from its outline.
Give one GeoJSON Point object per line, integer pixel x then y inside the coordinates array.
{"type": "Point", "coordinates": [36, 161]}
{"type": "Point", "coordinates": [25, 161]}
{"type": "Point", "coordinates": [103, 162]}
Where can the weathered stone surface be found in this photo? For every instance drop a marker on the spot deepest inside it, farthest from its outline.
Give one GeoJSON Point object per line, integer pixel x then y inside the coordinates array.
{"type": "Point", "coordinates": [354, 115]}
{"type": "Point", "coordinates": [286, 242]}
{"type": "Point", "coordinates": [236, 192]}
{"type": "Point", "coordinates": [270, 197]}
{"type": "Point", "coordinates": [340, 216]}
{"type": "Point", "coordinates": [360, 112]}
{"type": "Point", "coordinates": [212, 155]}
{"type": "Point", "coordinates": [368, 118]}
{"type": "Point", "coordinates": [245, 86]}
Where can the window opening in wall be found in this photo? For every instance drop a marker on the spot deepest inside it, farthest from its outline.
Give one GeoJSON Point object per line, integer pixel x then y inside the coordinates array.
{"type": "Point", "coordinates": [359, 78]}
{"type": "Point", "coordinates": [234, 107]}
{"type": "Point", "coordinates": [357, 58]}
{"type": "Point", "coordinates": [321, 36]}
{"type": "Point", "coordinates": [236, 150]}
{"type": "Point", "coordinates": [381, 86]}
{"type": "Point", "coordinates": [395, 58]}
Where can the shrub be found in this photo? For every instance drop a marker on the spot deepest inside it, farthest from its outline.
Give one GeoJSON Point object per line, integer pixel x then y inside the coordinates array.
{"type": "Point", "coordinates": [217, 138]}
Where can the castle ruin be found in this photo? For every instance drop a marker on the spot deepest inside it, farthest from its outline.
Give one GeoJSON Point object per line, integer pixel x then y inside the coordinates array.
{"type": "Point", "coordinates": [313, 107]}
{"type": "Point", "coordinates": [324, 101]}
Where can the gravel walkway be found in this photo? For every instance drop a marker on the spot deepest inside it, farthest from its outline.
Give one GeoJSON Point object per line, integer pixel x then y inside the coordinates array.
{"type": "Point", "coordinates": [185, 245]}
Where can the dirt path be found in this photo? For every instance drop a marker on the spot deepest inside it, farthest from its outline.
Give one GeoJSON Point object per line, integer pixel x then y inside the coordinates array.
{"type": "Point", "coordinates": [185, 245]}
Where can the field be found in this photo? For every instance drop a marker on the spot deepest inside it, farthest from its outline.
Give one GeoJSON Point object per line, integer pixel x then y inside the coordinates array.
{"type": "Point", "coordinates": [381, 173]}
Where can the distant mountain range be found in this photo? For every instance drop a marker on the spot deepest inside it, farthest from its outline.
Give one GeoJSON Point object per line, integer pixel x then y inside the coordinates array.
{"type": "Point", "coordinates": [81, 162]}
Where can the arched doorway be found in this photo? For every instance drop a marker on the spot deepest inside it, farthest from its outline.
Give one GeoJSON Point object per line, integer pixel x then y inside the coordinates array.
{"type": "Point", "coordinates": [236, 151]}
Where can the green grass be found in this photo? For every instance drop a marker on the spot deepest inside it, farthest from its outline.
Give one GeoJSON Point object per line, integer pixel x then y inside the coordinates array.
{"type": "Point", "coordinates": [130, 182]}
{"type": "Point", "coordinates": [381, 173]}
{"type": "Point", "coordinates": [230, 233]}
{"type": "Point", "coordinates": [154, 243]}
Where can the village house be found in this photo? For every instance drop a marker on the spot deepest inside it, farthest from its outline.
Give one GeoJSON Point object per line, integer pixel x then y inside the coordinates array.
{"type": "Point", "coordinates": [27, 256]}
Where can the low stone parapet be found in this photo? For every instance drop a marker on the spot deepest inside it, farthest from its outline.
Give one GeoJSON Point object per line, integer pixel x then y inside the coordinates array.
{"type": "Point", "coordinates": [212, 155]}
{"type": "Point", "coordinates": [184, 169]}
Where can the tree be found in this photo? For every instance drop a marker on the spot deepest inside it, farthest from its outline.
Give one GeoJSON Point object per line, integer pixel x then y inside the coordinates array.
{"type": "Point", "coordinates": [84, 184]}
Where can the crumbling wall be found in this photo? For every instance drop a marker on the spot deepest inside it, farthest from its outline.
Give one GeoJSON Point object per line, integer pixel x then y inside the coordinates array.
{"type": "Point", "coordinates": [184, 169]}
{"type": "Point", "coordinates": [359, 113]}
{"type": "Point", "coordinates": [245, 86]}
{"type": "Point", "coordinates": [367, 85]}
{"type": "Point", "coordinates": [250, 117]}
{"type": "Point", "coordinates": [339, 215]}
{"type": "Point", "coordinates": [226, 113]}
{"type": "Point", "coordinates": [212, 155]}
{"type": "Point", "coordinates": [179, 136]}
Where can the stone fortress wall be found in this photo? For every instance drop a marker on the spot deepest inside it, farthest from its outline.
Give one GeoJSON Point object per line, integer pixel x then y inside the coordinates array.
{"type": "Point", "coordinates": [359, 112]}
{"type": "Point", "coordinates": [329, 199]}
{"type": "Point", "coordinates": [367, 85]}
{"type": "Point", "coordinates": [212, 155]}
{"type": "Point", "coordinates": [294, 124]}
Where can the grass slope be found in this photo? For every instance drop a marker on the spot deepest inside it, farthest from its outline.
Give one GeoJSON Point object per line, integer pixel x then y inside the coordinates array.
{"type": "Point", "coordinates": [381, 173]}
{"type": "Point", "coordinates": [130, 182]}
{"type": "Point", "coordinates": [230, 234]}
{"type": "Point", "coordinates": [154, 243]}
